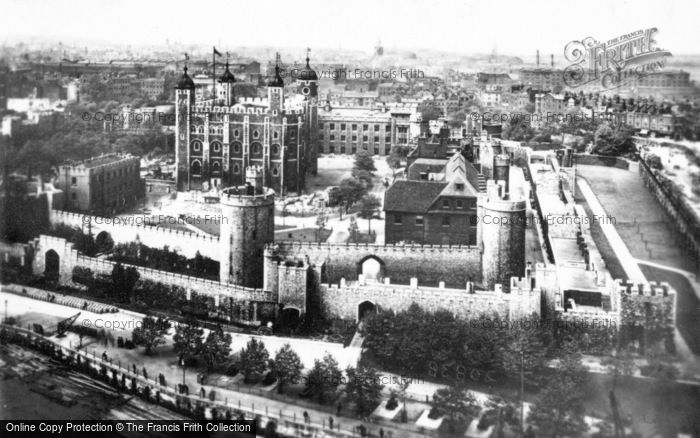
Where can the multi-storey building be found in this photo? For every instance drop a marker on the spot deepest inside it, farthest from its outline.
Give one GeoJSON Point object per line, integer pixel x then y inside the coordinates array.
{"type": "Point", "coordinates": [220, 136]}
{"type": "Point", "coordinates": [101, 185]}
{"type": "Point", "coordinates": [441, 210]}
{"type": "Point", "coordinates": [346, 130]}
{"type": "Point", "coordinates": [542, 78]}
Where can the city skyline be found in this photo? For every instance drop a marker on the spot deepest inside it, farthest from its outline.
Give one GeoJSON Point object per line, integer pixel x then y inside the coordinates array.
{"type": "Point", "coordinates": [464, 28]}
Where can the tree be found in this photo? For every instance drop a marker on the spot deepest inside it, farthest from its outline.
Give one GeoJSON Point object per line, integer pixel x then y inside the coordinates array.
{"type": "Point", "coordinates": [500, 413]}
{"type": "Point", "coordinates": [321, 221]}
{"type": "Point", "coordinates": [287, 366]}
{"type": "Point", "coordinates": [151, 333]}
{"type": "Point", "coordinates": [363, 389]}
{"type": "Point", "coordinates": [363, 162]}
{"type": "Point", "coordinates": [613, 142]}
{"type": "Point", "coordinates": [394, 158]}
{"type": "Point", "coordinates": [323, 379]}
{"type": "Point", "coordinates": [187, 341]}
{"type": "Point", "coordinates": [559, 411]}
{"type": "Point", "coordinates": [254, 360]}
{"type": "Point", "coordinates": [350, 191]}
{"type": "Point", "coordinates": [369, 204]}
{"type": "Point", "coordinates": [216, 347]}
{"type": "Point", "coordinates": [455, 403]}
{"type": "Point", "coordinates": [353, 230]}
{"type": "Point", "coordinates": [124, 281]}
{"type": "Point", "coordinates": [524, 346]}
{"type": "Point", "coordinates": [518, 129]}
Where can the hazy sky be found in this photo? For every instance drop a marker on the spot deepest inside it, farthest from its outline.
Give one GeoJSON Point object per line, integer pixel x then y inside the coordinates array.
{"type": "Point", "coordinates": [512, 27]}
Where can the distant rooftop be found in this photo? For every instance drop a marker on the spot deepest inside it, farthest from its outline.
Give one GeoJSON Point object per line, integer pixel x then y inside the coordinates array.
{"type": "Point", "coordinates": [101, 160]}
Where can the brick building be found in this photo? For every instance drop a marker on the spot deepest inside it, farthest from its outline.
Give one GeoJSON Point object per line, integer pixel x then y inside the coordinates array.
{"type": "Point", "coordinates": [438, 211]}
{"type": "Point", "coordinates": [345, 130]}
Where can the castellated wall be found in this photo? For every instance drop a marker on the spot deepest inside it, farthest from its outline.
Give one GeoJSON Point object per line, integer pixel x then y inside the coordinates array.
{"type": "Point", "coordinates": [637, 300]}
{"type": "Point", "coordinates": [343, 300]}
{"type": "Point", "coordinates": [454, 265]}
{"type": "Point", "coordinates": [69, 258]}
{"type": "Point", "coordinates": [127, 229]}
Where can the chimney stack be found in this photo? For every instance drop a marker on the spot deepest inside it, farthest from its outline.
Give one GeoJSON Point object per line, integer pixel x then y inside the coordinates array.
{"type": "Point", "coordinates": [538, 58]}
{"type": "Point", "coordinates": [552, 59]}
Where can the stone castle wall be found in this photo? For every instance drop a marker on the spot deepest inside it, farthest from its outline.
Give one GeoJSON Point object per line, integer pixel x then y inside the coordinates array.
{"type": "Point", "coordinates": [128, 229]}
{"type": "Point", "coordinates": [342, 300]}
{"type": "Point", "coordinates": [69, 258]}
{"type": "Point", "coordinates": [454, 265]}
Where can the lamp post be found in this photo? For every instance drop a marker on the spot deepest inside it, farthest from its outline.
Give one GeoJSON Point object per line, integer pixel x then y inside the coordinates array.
{"type": "Point", "coordinates": [522, 393]}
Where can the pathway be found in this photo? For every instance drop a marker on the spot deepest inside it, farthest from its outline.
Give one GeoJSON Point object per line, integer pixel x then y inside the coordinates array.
{"type": "Point", "coordinates": [628, 262]}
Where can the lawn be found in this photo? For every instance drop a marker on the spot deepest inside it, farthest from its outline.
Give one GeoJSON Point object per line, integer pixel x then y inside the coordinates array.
{"type": "Point", "coordinates": [303, 234]}
{"type": "Point", "coordinates": [639, 219]}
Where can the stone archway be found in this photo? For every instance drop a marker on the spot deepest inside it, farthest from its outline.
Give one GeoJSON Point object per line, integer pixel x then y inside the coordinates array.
{"type": "Point", "coordinates": [52, 265]}
{"type": "Point", "coordinates": [372, 268]}
{"type": "Point", "coordinates": [365, 308]}
{"type": "Point", "coordinates": [289, 319]}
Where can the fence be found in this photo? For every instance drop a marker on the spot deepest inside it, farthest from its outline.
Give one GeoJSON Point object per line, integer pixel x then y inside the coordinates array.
{"type": "Point", "coordinates": [286, 424]}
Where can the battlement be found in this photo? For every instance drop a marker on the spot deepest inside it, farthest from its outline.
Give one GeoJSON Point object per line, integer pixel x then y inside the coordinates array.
{"type": "Point", "coordinates": [199, 285]}
{"type": "Point", "coordinates": [239, 195]}
{"type": "Point", "coordinates": [523, 284]}
{"type": "Point", "coordinates": [650, 289]}
{"type": "Point", "coordinates": [297, 244]}
{"type": "Point", "coordinates": [503, 205]}
{"type": "Point", "coordinates": [129, 229]}
{"type": "Point", "coordinates": [245, 105]}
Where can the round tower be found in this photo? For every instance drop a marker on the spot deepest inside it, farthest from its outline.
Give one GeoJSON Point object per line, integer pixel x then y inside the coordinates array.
{"type": "Point", "coordinates": [502, 235]}
{"type": "Point", "coordinates": [247, 226]}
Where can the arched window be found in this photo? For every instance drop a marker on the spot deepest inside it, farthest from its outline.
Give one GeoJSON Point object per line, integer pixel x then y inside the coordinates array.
{"type": "Point", "coordinates": [216, 146]}
{"type": "Point", "coordinates": [216, 167]}
{"type": "Point", "coordinates": [292, 134]}
{"type": "Point", "coordinates": [196, 145]}
{"type": "Point", "coordinates": [256, 134]}
{"type": "Point", "coordinates": [236, 133]}
{"type": "Point", "coordinates": [236, 148]}
{"type": "Point", "coordinates": [196, 168]}
{"type": "Point", "coordinates": [275, 171]}
{"type": "Point", "coordinates": [275, 135]}
{"type": "Point", "coordinates": [256, 148]}
{"type": "Point", "coordinates": [275, 149]}
{"type": "Point", "coordinates": [236, 169]}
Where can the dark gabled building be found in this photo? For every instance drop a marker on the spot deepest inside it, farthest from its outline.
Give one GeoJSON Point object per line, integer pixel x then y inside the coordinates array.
{"type": "Point", "coordinates": [441, 211]}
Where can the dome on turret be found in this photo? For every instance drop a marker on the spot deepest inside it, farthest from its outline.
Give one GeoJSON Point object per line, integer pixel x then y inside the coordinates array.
{"type": "Point", "coordinates": [307, 73]}
{"type": "Point", "coordinates": [227, 77]}
{"type": "Point", "coordinates": [185, 82]}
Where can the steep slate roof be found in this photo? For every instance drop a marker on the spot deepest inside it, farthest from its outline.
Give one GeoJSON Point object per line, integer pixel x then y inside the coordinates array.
{"type": "Point", "coordinates": [412, 196]}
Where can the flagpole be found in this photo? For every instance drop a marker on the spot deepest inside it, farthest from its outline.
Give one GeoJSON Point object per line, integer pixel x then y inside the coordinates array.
{"type": "Point", "coordinates": [213, 73]}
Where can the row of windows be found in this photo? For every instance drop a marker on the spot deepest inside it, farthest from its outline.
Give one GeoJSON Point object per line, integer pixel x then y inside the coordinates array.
{"type": "Point", "coordinates": [237, 132]}
{"type": "Point", "coordinates": [216, 168]}
{"type": "Point", "coordinates": [353, 126]}
{"type": "Point", "coordinates": [256, 148]}
{"type": "Point", "coordinates": [419, 220]}
{"type": "Point", "coordinates": [342, 149]}
{"type": "Point", "coordinates": [365, 138]}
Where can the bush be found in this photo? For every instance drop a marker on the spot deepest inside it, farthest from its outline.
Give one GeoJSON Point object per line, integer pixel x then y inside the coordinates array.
{"type": "Point", "coordinates": [232, 369]}
{"type": "Point", "coordinates": [392, 403]}
{"type": "Point", "coordinates": [270, 378]}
